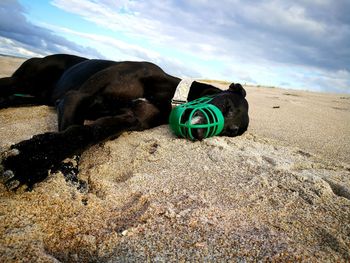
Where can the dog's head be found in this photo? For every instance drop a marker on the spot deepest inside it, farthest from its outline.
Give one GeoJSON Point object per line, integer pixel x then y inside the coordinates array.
{"type": "Point", "coordinates": [234, 107]}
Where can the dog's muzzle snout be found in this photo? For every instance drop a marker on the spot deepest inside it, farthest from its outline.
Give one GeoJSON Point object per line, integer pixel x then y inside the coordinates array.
{"type": "Point", "coordinates": [197, 119]}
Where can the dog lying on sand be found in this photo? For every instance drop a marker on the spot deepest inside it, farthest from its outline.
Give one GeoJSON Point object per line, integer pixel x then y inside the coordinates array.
{"type": "Point", "coordinates": [113, 96]}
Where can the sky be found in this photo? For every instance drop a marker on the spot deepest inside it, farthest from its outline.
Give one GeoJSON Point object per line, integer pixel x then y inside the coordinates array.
{"type": "Point", "coordinates": [300, 44]}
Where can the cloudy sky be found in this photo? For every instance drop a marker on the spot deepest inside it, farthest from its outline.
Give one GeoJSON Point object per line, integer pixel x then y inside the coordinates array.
{"type": "Point", "coordinates": [300, 44]}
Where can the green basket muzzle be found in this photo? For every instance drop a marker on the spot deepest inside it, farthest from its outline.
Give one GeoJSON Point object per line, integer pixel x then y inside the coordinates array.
{"type": "Point", "coordinates": [184, 123]}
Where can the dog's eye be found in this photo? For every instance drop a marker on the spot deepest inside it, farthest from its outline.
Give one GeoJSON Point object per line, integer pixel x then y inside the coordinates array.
{"type": "Point", "coordinates": [232, 111]}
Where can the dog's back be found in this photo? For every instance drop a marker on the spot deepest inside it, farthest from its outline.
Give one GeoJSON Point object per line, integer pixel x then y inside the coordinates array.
{"type": "Point", "coordinates": [75, 76]}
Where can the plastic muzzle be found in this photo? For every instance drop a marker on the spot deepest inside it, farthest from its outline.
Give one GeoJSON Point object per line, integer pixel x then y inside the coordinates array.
{"type": "Point", "coordinates": [198, 116]}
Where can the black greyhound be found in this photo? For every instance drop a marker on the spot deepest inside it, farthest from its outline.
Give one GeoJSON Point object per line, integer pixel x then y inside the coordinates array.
{"type": "Point", "coordinates": [114, 97]}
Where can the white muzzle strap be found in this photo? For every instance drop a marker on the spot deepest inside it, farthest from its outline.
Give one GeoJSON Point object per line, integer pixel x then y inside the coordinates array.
{"type": "Point", "coordinates": [182, 91]}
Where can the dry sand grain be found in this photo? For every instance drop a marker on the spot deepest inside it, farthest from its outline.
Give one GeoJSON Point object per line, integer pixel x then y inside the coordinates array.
{"type": "Point", "coordinates": [280, 192]}
{"type": "Point", "coordinates": [316, 122]}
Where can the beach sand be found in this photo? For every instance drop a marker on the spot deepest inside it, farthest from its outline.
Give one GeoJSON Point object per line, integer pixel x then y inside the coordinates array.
{"type": "Point", "coordinates": [280, 192]}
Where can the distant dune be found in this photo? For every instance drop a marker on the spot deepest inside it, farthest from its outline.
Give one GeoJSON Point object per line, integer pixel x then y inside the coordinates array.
{"type": "Point", "coordinates": [280, 192]}
{"type": "Point", "coordinates": [9, 65]}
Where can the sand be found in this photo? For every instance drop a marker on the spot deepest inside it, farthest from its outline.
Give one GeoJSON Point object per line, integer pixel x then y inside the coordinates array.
{"type": "Point", "coordinates": [280, 192]}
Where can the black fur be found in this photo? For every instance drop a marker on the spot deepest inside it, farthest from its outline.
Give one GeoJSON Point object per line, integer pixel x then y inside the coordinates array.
{"type": "Point", "coordinates": [106, 93]}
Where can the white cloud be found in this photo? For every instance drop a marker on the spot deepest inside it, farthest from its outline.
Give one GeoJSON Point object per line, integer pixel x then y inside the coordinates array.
{"type": "Point", "coordinates": [118, 50]}
{"type": "Point", "coordinates": [15, 48]}
{"type": "Point", "coordinates": [234, 29]}
{"type": "Point", "coordinates": [250, 41]}
{"type": "Point", "coordinates": [334, 81]}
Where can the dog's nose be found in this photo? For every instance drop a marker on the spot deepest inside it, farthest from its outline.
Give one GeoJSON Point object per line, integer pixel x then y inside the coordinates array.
{"type": "Point", "coordinates": [233, 130]}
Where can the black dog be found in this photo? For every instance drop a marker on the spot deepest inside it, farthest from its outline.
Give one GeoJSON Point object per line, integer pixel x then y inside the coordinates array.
{"type": "Point", "coordinates": [114, 96]}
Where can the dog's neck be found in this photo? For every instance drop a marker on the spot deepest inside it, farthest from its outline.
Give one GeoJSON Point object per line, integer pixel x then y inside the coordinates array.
{"type": "Point", "coordinates": [188, 90]}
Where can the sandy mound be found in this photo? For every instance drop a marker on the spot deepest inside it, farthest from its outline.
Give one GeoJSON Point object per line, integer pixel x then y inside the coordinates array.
{"type": "Point", "coordinates": [151, 196]}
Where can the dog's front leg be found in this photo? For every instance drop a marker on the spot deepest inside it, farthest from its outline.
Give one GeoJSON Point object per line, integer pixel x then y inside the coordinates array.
{"type": "Point", "coordinates": [28, 162]}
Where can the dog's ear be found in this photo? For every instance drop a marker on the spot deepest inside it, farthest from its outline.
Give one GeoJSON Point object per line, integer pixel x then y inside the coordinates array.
{"type": "Point", "coordinates": [237, 88]}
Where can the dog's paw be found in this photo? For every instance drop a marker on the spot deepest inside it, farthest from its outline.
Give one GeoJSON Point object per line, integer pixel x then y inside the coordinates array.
{"type": "Point", "coordinates": [18, 170]}
{"type": "Point", "coordinates": [27, 162]}
{"type": "Point", "coordinates": [7, 175]}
